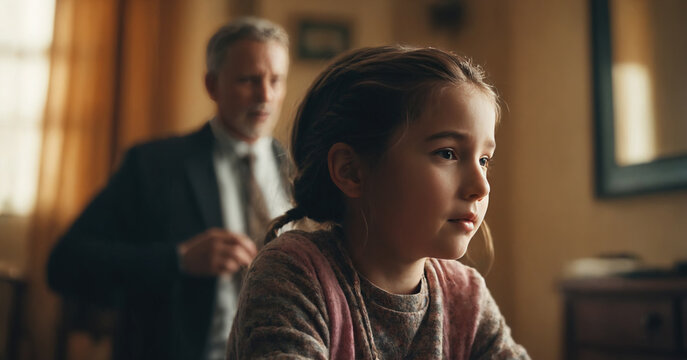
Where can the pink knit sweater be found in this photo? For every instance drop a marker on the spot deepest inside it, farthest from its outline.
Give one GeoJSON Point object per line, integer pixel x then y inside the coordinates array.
{"type": "Point", "coordinates": [302, 299]}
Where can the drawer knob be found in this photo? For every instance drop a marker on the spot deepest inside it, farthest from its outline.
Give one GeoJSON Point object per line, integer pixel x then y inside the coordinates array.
{"type": "Point", "coordinates": [651, 322]}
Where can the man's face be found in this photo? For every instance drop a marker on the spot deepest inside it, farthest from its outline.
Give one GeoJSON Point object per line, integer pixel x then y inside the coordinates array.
{"type": "Point", "coordinates": [250, 87]}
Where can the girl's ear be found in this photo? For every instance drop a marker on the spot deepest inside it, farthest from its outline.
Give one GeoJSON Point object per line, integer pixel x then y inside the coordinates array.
{"type": "Point", "coordinates": [345, 169]}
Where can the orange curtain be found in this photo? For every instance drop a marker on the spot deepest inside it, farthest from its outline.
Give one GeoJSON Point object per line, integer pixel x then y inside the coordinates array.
{"type": "Point", "coordinates": [101, 99]}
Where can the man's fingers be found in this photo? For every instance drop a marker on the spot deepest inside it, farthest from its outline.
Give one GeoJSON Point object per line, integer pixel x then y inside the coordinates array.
{"type": "Point", "coordinates": [239, 254]}
{"type": "Point", "coordinates": [199, 239]}
{"type": "Point", "coordinates": [227, 266]}
{"type": "Point", "coordinates": [242, 241]}
{"type": "Point", "coordinates": [216, 251]}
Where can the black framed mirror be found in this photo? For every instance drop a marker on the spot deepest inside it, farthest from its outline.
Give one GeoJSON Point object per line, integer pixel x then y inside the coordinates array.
{"type": "Point", "coordinates": [639, 62]}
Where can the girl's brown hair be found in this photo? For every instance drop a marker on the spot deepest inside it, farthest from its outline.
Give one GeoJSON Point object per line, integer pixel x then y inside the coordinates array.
{"type": "Point", "coordinates": [361, 99]}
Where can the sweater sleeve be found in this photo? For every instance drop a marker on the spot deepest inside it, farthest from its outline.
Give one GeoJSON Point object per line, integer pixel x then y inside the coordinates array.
{"type": "Point", "coordinates": [493, 338]}
{"type": "Point", "coordinates": [282, 312]}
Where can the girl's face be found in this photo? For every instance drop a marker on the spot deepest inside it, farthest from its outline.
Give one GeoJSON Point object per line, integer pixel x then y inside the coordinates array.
{"type": "Point", "coordinates": [429, 193]}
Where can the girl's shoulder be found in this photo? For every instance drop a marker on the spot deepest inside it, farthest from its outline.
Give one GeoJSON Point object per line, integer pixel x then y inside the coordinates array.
{"type": "Point", "coordinates": [455, 277]}
{"type": "Point", "coordinates": [313, 250]}
{"type": "Point", "coordinates": [288, 240]}
{"type": "Point", "coordinates": [302, 242]}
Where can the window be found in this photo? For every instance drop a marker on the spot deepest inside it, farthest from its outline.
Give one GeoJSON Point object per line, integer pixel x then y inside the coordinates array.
{"type": "Point", "coordinates": [26, 28]}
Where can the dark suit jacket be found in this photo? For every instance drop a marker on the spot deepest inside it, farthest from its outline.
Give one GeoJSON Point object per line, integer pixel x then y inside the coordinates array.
{"type": "Point", "coordinates": [121, 251]}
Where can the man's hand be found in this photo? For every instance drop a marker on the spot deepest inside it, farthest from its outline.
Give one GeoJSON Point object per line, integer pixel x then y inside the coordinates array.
{"type": "Point", "coordinates": [216, 251]}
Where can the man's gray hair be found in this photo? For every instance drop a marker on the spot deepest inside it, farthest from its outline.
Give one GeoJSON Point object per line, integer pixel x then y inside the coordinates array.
{"type": "Point", "coordinates": [252, 28]}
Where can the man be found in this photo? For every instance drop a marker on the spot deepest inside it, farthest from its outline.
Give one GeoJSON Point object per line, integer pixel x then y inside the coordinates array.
{"type": "Point", "coordinates": [166, 240]}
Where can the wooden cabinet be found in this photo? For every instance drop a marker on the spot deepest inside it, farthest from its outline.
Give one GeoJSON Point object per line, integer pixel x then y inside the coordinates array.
{"type": "Point", "coordinates": [683, 309]}
{"type": "Point", "coordinates": [618, 318]}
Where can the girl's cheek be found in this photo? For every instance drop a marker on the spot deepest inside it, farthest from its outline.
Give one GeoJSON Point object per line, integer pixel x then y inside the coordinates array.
{"type": "Point", "coordinates": [484, 206]}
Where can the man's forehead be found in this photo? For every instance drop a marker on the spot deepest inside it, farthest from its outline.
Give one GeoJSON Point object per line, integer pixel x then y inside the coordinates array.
{"type": "Point", "coordinates": [249, 53]}
{"type": "Point", "coordinates": [247, 48]}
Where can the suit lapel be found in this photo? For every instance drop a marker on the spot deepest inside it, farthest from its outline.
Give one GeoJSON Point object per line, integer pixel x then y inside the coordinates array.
{"type": "Point", "coordinates": [200, 170]}
{"type": "Point", "coordinates": [201, 173]}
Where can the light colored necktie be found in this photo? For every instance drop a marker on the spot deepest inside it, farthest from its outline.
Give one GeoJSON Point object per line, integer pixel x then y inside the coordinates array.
{"type": "Point", "coordinates": [257, 215]}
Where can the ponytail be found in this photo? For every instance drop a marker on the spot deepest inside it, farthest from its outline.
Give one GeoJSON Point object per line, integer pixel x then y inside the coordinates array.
{"type": "Point", "coordinates": [294, 214]}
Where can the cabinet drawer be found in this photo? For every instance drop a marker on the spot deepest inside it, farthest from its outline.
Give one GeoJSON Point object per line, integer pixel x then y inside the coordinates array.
{"type": "Point", "coordinates": [597, 355]}
{"type": "Point", "coordinates": [637, 323]}
{"type": "Point", "coordinates": [684, 324]}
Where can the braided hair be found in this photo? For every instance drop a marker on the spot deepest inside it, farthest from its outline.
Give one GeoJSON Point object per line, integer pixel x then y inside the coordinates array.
{"type": "Point", "coordinates": [361, 99]}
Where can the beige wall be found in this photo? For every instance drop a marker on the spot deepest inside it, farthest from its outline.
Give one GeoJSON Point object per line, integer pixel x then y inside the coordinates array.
{"type": "Point", "coordinates": [184, 102]}
{"type": "Point", "coordinates": [553, 216]}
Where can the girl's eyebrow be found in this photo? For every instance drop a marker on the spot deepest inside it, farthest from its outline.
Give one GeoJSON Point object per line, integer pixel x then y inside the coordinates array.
{"type": "Point", "coordinates": [455, 135]}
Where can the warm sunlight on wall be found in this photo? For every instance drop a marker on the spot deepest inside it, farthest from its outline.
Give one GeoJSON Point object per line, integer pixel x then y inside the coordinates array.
{"type": "Point", "coordinates": [649, 54]}
{"type": "Point", "coordinates": [25, 36]}
{"type": "Point", "coordinates": [634, 114]}
{"type": "Point", "coordinates": [633, 72]}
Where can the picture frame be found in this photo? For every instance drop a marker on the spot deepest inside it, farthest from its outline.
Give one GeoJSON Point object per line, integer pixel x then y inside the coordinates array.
{"type": "Point", "coordinates": [614, 179]}
{"type": "Point", "coordinates": [322, 40]}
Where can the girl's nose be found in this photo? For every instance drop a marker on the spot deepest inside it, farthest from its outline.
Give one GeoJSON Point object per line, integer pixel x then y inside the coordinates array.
{"type": "Point", "coordinates": [474, 185]}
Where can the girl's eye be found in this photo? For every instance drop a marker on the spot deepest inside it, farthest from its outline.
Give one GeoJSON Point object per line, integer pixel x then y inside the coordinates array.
{"type": "Point", "coordinates": [447, 154]}
{"type": "Point", "coordinates": [484, 161]}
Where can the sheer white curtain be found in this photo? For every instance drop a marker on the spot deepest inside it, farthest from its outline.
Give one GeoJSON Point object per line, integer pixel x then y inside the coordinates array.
{"type": "Point", "coordinates": [26, 28]}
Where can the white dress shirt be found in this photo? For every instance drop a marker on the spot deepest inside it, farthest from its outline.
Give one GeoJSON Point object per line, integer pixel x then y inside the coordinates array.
{"type": "Point", "coordinates": [227, 157]}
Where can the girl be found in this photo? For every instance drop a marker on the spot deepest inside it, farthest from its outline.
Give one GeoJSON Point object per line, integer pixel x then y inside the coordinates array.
{"type": "Point", "coordinates": [392, 147]}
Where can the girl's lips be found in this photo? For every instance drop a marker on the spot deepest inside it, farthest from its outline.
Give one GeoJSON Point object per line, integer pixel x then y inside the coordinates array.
{"type": "Point", "coordinates": [465, 224]}
{"type": "Point", "coordinates": [465, 221]}
{"type": "Point", "coordinates": [471, 216]}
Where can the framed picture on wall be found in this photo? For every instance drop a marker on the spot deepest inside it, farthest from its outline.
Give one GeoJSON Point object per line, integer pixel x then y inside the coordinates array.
{"type": "Point", "coordinates": [322, 39]}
